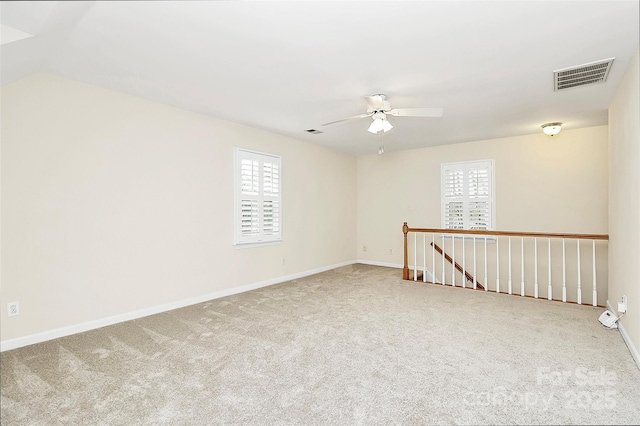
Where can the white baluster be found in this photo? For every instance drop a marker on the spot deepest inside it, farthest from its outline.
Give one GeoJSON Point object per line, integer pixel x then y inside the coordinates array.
{"type": "Point", "coordinates": [433, 256]}
{"type": "Point", "coordinates": [453, 260]}
{"type": "Point", "coordinates": [424, 257]}
{"type": "Point", "coordinates": [579, 277]}
{"type": "Point", "coordinates": [444, 237]}
{"type": "Point", "coordinates": [549, 288]}
{"type": "Point", "coordinates": [415, 257]}
{"type": "Point", "coordinates": [475, 281]}
{"type": "Point", "coordinates": [509, 282]}
{"type": "Point", "coordinates": [486, 273]}
{"type": "Point", "coordinates": [464, 269]}
{"type": "Point", "coordinates": [521, 266]}
{"type": "Point", "coordinates": [564, 273]}
{"type": "Point", "coordinates": [595, 289]}
{"type": "Point", "coordinates": [535, 271]}
{"type": "Point", "coordinates": [497, 267]}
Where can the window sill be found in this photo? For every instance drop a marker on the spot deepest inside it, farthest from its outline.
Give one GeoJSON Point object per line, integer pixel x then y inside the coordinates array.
{"type": "Point", "coordinates": [240, 246]}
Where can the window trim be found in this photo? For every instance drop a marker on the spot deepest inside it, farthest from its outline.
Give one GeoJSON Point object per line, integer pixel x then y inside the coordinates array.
{"type": "Point", "coordinates": [237, 197]}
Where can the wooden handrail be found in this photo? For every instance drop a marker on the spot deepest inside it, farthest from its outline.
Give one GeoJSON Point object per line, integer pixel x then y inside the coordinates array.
{"type": "Point", "coordinates": [406, 229]}
{"type": "Point", "coordinates": [448, 258]}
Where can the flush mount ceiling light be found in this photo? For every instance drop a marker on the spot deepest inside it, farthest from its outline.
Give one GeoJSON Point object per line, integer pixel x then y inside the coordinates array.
{"type": "Point", "coordinates": [552, 129]}
{"type": "Point", "coordinates": [379, 123]}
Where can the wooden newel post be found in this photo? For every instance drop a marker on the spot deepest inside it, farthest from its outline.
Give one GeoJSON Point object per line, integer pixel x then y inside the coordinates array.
{"type": "Point", "coordinates": [405, 269]}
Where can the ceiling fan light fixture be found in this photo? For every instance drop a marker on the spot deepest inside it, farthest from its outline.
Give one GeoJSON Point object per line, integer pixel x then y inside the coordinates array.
{"type": "Point", "coordinates": [378, 125]}
{"type": "Point", "coordinates": [552, 129]}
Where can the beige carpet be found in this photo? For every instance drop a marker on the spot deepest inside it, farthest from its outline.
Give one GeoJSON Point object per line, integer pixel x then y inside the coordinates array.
{"type": "Point", "coordinates": [356, 345]}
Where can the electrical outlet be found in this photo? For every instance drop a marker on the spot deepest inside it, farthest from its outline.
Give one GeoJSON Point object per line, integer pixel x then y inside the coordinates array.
{"type": "Point", "coordinates": [622, 306]}
{"type": "Point", "coordinates": [364, 248]}
{"type": "Point", "coordinates": [13, 309]}
{"type": "Point", "coordinates": [283, 261]}
{"type": "Point", "coordinates": [390, 251]}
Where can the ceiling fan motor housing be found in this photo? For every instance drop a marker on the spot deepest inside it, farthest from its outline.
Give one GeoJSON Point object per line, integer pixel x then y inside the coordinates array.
{"type": "Point", "coordinates": [377, 103]}
{"type": "Point", "coordinates": [379, 114]}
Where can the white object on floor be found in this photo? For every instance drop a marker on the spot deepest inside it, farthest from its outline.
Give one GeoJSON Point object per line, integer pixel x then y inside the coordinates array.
{"type": "Point", "coordinates": [608, 319]}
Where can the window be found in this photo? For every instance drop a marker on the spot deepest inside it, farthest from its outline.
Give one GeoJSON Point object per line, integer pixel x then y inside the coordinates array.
{"type": "Point", "coordinates": [257, 197]}
{"type": "Point", "coordinates": [468, 195]}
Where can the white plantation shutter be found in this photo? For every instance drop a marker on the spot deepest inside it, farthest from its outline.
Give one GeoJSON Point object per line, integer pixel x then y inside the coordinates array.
{"type": "Point", "coordinates": [453, 198]}
{"type": "Point", "coordinates": [480, 196]}
{"type": "Point", "coordinates": [271, 199]}
{"type": "Point", "coordinates": [258, 203]}
{"type": "Point", "coordinates": [249, 197]}
{"type": "Point", "coordinates": [468, 195]}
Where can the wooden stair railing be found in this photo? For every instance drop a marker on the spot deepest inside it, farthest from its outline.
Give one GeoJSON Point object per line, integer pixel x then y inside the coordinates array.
{"type": "Point", "coordinates": [556, 289]}
{"type": "Point", "coordinates": [448, 258]}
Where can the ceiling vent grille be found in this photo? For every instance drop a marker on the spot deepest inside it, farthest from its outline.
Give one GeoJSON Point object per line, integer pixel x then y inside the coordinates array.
{"type": "Point", "coordinates": [591, 73]}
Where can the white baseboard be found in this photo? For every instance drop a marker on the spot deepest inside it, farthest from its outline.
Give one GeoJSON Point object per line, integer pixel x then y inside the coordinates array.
{"type": "Point", "coordinates": [625, 336]}
{"type": "Point", "coordinates": [31, 339]}
{"type": "Point", "coordinates": [385, 264]}
{"type": "Point", "coordinates": [632, 348]}
{"type": "Point", "coordinates": [396, 265]}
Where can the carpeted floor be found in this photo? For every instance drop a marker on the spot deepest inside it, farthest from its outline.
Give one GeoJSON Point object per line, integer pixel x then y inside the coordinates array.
{"type": "Point", "coordinates": [356, 345]}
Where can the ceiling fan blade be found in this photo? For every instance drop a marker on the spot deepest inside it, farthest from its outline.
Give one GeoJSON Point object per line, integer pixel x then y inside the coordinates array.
{"type": "Point", "coordinates": [349, 118]}
{"type": "Point", "coordinates": [416, 112]}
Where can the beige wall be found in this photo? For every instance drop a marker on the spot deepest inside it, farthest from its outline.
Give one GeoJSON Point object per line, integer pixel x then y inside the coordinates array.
{"type": "Point", "coordinates": [112, 204]}
{"type": "Point", "coordinates": [624, 203]}
{"type": "Point", "coordinates": [543, 184]}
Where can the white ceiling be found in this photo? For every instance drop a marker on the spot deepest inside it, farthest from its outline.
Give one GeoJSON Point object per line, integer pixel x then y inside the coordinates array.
{"type": "Point", "coordinates": [290, 66]}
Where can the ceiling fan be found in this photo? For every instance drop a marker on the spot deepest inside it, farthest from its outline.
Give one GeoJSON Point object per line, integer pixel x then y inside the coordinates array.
{"type": "Point", "coordinates": [379, 108]}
